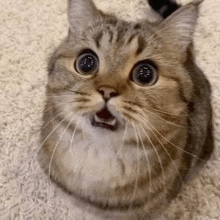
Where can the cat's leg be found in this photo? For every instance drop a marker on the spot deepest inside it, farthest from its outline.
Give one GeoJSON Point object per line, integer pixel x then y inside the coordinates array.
{"type": "Point", "coordinates": [164, 7]}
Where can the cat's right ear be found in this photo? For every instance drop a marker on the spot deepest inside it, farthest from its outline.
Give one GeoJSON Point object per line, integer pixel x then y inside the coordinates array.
{"type": "Point", "coordinates": [81, 14]}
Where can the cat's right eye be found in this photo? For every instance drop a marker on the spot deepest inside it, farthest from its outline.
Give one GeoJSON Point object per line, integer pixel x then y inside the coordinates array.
{"type": "Point", "coordinates": [87, 63]}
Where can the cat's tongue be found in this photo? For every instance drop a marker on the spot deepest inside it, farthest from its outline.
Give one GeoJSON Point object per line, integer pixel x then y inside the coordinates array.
{"type": "Point", "coordinates": [104, 119]}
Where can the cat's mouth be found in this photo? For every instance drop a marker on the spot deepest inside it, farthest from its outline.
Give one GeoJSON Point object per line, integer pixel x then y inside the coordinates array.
{"type": "Point", "coordinates": [104, 119]}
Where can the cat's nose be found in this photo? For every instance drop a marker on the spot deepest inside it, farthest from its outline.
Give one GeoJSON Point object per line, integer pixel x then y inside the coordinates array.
{"type": "Point", "coordinates": [107, 93]}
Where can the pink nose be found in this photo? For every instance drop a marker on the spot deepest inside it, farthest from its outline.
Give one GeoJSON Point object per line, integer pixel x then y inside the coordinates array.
{"type": "Point", "coordinates": [107, 92]}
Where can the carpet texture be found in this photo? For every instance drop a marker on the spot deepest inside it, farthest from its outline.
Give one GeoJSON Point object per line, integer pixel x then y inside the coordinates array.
{"type": "Point", "coordinates": [29, 31]}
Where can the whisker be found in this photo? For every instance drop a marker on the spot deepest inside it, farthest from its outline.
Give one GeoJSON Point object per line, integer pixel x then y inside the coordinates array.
{"type": "Point", "coordinates": [168, 122]}
{"type": "Point", "coordinates": [51, 120]}
{"type": "Point", "coordinates": [158, 156]}
{"type": "Point", "coordinates": [71, 141]}
{"type": "Point", "coordinates": [65, 95]}
{"type": "Point", "coordinates": [143, 111]}
{"type": "Point", "coordinates": [38, 149]}
{"type": "Point", "coordinates": [125, 131]}
{"type": "Point", "coordinates": [61, 95]}
{"type": "Point", "coordinates": [123, 139]}
{"type": "Point", "coordinates": [168, 113]}
{"type": "Point", "coordinates": [164, 112]}
{"type": "Point", "coordinates": [45, 125]}
{"type": "Point", "coordinates": [83, 132]}
{"type": "Point", "coordinates": [148, 164]}
{"type": "Point", "coordinates": [138, 160]}
{"type": "Point", "coordinates": [77, 92]}
{"type": "Point", "coordinates": [55, 148]}
{"type": "Point", "coordinates": [71, 149]}
{"type": "Point", "coordinates": [143, 116]}
{"type": "Point", "coordinates": [176, 145]}
{"type": "Point", "coordinates": [61, 103]}
{"type": "Point", "coordinates": [177, 169]}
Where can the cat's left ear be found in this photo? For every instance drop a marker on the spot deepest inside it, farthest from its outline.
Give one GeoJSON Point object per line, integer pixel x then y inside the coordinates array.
{"type": "Point", "coordinates": [177, 30]}
{"type": "Point", "coordinates": [81, 14]}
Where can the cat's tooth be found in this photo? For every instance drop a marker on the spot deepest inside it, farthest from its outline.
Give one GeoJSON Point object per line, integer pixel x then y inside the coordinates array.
{"type": "Point", "coordinates": [112, 122]}
{"type": "Point", "coordinates": [97, 119]}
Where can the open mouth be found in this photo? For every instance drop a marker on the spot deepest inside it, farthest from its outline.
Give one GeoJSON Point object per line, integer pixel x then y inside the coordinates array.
{"type": "Point", "coordinates": [105, 119]}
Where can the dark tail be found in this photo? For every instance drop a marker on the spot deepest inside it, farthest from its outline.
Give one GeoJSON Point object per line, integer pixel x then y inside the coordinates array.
{"type": "Point", "coordinates": [164, 7]}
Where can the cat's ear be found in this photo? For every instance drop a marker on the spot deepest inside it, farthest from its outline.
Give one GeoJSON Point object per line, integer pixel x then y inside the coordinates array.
{"type": "Point", "coordinates": [81, 14]}
{"type": "Point", "coordinates": [178, 28]}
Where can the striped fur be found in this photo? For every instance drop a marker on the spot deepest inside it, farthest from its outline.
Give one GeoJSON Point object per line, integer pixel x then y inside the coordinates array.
{"type": "Point", "coordinates": [163, 130]}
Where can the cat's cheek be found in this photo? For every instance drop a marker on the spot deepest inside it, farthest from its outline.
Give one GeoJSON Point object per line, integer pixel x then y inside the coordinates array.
{"type": "Point", "coordinates": [115, 105]}
{"type": "Point", "coordinates": [94, 104]}
{"type": "Point", "coordinates": [97, 102]}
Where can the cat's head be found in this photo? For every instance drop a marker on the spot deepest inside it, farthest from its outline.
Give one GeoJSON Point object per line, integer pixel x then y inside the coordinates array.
{"type": "Point", "coordinates": [114, 73]}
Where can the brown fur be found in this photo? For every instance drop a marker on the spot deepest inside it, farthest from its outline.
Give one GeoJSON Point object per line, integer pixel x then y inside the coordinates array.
{"type": "Point", "coordinates": [164, 131]}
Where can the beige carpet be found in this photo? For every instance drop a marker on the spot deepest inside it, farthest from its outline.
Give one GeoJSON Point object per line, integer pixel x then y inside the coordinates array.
{"type": "Point", "coordinates": [29, 31]}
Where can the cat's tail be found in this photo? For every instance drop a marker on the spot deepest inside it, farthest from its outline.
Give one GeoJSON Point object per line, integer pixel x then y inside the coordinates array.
{"type": "Point", "coordinates": [164, 7]}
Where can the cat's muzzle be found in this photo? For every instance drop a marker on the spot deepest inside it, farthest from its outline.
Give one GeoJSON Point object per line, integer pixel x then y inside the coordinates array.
{"type": "Point", "coordinates": [105, 119]}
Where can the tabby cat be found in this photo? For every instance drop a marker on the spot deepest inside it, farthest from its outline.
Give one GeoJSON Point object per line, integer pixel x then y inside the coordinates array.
{"type": "Point", "coordinates": [128, 114]}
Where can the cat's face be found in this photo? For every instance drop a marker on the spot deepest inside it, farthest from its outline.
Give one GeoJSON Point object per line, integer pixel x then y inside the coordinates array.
{"type": "Point", "coordinates": [118, 74]}
{"type": "Point", "coordinates": [117, 106]}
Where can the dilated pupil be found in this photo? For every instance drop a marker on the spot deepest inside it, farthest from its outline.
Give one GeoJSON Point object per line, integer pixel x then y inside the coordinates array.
{"type": "Point", "coordinates": [144, 74]}
{"type": "Point", "coordinates": [87, 63]}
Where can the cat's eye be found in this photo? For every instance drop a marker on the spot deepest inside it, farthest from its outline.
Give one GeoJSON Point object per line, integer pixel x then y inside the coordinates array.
{"type": "Point", "coordinates": [144, 73]}
{"type": "Point", "coordinates": [87, 63]}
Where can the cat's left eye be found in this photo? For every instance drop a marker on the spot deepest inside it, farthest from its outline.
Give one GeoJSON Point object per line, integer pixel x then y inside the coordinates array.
{"type": "Point", "coordinates": [87, 63]}
{"type": "Point", "coordinates": [144, 73]}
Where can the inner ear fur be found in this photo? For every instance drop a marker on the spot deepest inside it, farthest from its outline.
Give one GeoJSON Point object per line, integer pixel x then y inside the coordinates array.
{"type": "Point", "coordinates": [178, 29]}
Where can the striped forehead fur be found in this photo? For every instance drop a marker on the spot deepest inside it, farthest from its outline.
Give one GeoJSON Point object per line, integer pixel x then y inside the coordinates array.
{"type": "Point", "coordinates": [122, 34]}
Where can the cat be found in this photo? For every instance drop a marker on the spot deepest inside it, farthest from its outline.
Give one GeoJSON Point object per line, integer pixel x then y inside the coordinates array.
{"type": "Point", "coordinates": [128, 115]}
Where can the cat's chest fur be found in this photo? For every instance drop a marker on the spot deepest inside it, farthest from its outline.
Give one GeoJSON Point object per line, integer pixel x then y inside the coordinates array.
{"type": "Point", "coordinates": [100, 157]}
